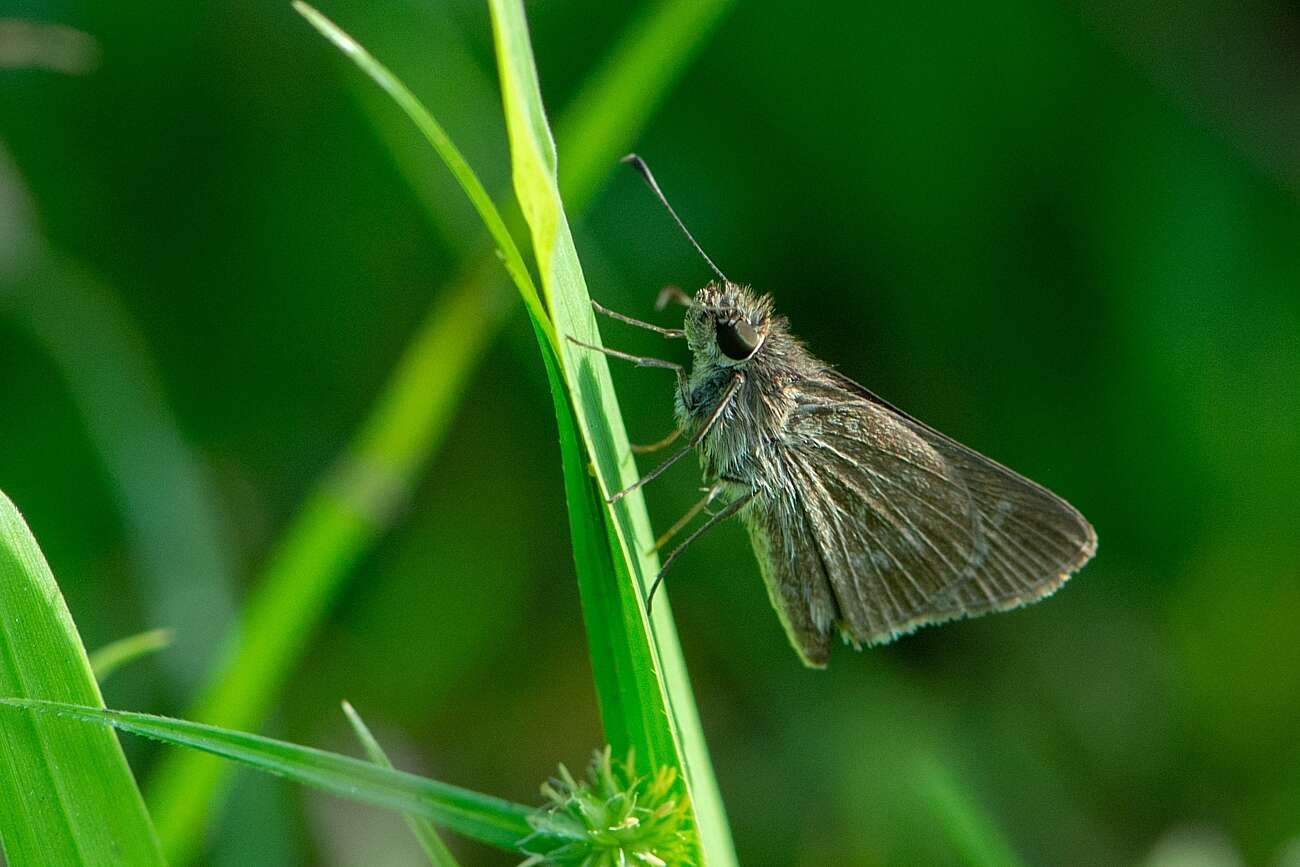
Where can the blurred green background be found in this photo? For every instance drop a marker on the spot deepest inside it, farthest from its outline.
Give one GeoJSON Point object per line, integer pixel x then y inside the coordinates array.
{"type": "Point", "coordinates": [1067, 235]}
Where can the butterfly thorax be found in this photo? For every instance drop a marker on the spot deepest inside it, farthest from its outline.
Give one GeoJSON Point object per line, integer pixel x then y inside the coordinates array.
{"type": "Point", "coordinates": [740, 445]}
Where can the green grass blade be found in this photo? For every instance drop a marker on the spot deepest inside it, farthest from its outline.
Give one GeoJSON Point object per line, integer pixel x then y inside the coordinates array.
{"type": "Point", "coordinates": [606, 116]}
{"type": "Point", "coordinates": [103, 359]}
{"type": "Point", "coordinates": [643, 687]}
{"type": "Point", "coordinates": [66, 793]}
{"type": "Point", "coordinates": [114, 655]}
{"type": "Point", "coordinates": [434, 849]}
{"type": "Point", "coordinates": [351, 506]}
{"type": "Point", "coordinates": [160, 486]}
{"type": "Point", "coordinates": [451, 155]}
{"type": "Point", "coordinates": [342, 517]}
{"type": "Point", "coordinates": [481, 817]}
{"type": "Point", "coordinates": [971, 832]}
{"type": "Point", "coordinates": [619, 654]}
{"type": "Point", "coordinates": [616, 101]}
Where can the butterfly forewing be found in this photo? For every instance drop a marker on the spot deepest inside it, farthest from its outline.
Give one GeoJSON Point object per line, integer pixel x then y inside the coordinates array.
{"type": "Point", "coordinates": [899, 526]}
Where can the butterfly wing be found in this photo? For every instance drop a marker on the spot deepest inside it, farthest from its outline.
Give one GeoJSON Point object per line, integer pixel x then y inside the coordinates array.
{"type": "Point", "coordinates": [898, 526]}
{"type": "Point", "coordinates": [795, 577]}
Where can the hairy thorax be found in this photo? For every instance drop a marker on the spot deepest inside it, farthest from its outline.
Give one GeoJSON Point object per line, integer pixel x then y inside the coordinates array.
{"type": "Point", "coordinates": [744, 443]}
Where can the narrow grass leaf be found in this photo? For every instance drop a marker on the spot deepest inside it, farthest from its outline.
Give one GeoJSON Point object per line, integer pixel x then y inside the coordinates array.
{"type": "Point", "coordinates": [434, 849]}
{"type": "Point", "coordinates": [450, 154]}
{"type": "Point", "coordinates": [643, 687]}
{"type": "Point", "coordinates": [353, 504]}
{"type": "Point", "coordinates": [114, 655]}
{"type": "Point", "coordinates": [167, 510]}
{"type": "Point", "coordinates": [341, 517]}
{"type": "Point", "coordinates": [66, 793]}
{"type": "Point", "coordinates": [970, 831]}
{"type": "Point", "coordinates": [481, 817]}
{"type": "Point", "coordinates": [617, 100]}
{"type": "Point", "coordinates": [336, 524]}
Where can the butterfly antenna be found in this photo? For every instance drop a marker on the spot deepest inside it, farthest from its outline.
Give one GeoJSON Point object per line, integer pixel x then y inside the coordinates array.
{"type": "Point", "coordinates": [640, 166]}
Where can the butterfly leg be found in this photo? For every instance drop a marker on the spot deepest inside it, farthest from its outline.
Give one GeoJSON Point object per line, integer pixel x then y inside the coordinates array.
{"type": "Point", "coordinates": [638, 360]}
{"type": "Point", "coordinates": [710, 495]}
{"type": "Point", "coordinates": [731, 508]}
{"type": "Point", "coordinates": [654, 447]}
{"type": "Point", "coordinates": [642, 362]}
{"type": "Point", "coordinates": [670, 333]}
{"type": "Point", "coordinates": [700, 434]}
{"type": "Point", "coordinates": [674, 294]}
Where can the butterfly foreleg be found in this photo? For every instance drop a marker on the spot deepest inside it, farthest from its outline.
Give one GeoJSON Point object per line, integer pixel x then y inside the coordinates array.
{"type": "Point", "coordinates": [638, 360]}
{"type": "Point", "coordinates": [710, 422]}
{"type": "Point", "coordinates": [672, 294]}
{"type": "Point", "coordinates": [721, 515]}
{"type": "Point", "coordinates": [670, 333]}
{"type": "Point", "coordinates": [661, 444]}
{"type": "Point", "coordinates": [710, 495]}
{"type": "Point", "coordinates": [643, 361]}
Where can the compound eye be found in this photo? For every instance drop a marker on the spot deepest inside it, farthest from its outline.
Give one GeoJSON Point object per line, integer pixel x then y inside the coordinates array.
{"type": "Point", "coordinates": [737, 340]}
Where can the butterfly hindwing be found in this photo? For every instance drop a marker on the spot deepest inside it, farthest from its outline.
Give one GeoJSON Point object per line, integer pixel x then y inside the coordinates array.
{"type": "Point", "coordinates": [796, 582]}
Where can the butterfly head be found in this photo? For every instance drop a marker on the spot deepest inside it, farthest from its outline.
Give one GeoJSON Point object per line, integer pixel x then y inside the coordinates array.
{"type": "Point", "coordinates": [727, 324]}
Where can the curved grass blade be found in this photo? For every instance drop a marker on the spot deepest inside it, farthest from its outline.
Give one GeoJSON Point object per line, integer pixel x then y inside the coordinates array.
{"type": "Point", "coordinates": [351, 506]}
{"type": "Point", "coordinates": [490, 820]}
{"type": "Point", "coordinates": [340, 518]}
{"type": "Point", "coordinates": [66, 793]}
{"type": "Point", "coordinates": [616, 101]}
{"type": "Point", "coordinates": [434, 849]}
{"type": "Point", "coordinates": [971, 832]}
{"type": "Point", "coordinates": [116, 654]}
{"type": "Point", "coordinates": [159, 484]}
{"type": "Point", "coordinates": [450, 154]}
{"type": "Point", "coordinates": [644, 690]}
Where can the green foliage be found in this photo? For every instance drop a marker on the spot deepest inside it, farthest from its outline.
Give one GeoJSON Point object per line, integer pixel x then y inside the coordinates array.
{"type": "Point", "coordinates": [434, 849]}
{"type": "Point", "coordinates": [646, 699]}
{"type": "Point", "coordinates": [1059, 233]}
{"type": "Point", "coordinates": [448, 152]}
{"type": "Point", "coordinates": [66, 793]}
{"type": "Point", "coordinates": [615, 817]}
{"type": "Point", "coordinates": [107, 659]}
{"type": "Point", "coordinates": [970, 831]}
{"type": "Point", "coordinates": [481, 817]}
{"type": "Point", "coordinates": [353, 504]}
{"type": "Point", "coordinates": [340, 517]}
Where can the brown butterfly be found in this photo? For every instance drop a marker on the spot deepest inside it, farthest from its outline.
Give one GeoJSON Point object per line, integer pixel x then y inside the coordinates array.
{"type": "Point", "coordinates": [865, 521]}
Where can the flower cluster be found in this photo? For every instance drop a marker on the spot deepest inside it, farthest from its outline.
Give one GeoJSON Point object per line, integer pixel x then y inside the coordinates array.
{"type": "Point", "coordinates": [613, 818]}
